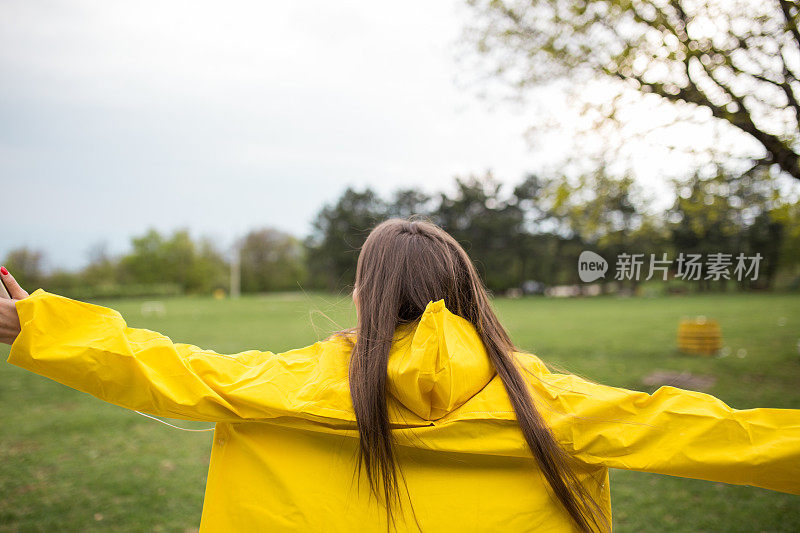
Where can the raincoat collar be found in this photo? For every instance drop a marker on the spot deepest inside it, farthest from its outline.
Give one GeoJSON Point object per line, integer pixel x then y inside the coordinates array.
{"type": "Point", "coordinates": [437, 363]}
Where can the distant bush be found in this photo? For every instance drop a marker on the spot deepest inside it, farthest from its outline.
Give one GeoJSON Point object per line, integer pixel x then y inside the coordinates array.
{"type": "Point", "coordinates": [108, 290]}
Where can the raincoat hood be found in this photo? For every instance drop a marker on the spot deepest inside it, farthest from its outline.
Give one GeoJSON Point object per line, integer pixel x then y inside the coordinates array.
{"type": "Point", "coordinates": [437, 363]}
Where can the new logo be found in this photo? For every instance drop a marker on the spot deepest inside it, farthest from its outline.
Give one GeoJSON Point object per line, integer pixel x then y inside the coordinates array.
{"type": "Point", "coordinates": [591, 266]}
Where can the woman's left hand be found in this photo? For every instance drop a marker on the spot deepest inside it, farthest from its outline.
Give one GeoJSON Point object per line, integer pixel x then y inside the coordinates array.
{"type": "Point", "coordinates": [9, 319]}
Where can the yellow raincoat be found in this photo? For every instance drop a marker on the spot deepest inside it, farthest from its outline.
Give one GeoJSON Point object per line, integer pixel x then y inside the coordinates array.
{"type": "Point", "coordinates": [285, 439]}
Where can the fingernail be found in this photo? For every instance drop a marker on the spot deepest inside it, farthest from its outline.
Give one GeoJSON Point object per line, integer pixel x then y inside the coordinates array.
{"type": "Point", "coordinates": [3, 271]}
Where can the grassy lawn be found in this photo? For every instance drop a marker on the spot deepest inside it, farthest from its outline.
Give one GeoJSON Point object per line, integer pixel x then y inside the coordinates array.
{"type": "Point", "coordinates": [69, 462]}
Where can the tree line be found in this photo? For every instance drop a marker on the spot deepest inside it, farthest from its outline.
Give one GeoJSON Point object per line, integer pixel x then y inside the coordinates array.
{"type": "Point", "coordinates": [526, 235]}
{"type": "Point", "coordinates": [536, 230]}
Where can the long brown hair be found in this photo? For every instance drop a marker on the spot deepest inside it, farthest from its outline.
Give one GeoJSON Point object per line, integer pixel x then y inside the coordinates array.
{"type": "Point", "coordinates": [403, 265]}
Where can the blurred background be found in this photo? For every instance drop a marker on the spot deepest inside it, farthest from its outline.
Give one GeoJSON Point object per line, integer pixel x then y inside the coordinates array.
{"type": "Point", "coordinates": [190, 163]}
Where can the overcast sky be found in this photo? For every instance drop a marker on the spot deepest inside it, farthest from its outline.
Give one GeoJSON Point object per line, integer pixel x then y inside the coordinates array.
{"type": "Point", "coordinates": [225, 116]}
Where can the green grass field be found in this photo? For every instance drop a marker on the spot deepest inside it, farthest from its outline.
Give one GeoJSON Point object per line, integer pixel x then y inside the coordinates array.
{"type": "Point", "coordinates": [69, 462]}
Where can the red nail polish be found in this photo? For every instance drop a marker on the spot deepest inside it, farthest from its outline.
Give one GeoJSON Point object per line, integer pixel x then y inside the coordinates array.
{"type": "Point", "coordinates": [4, 271]}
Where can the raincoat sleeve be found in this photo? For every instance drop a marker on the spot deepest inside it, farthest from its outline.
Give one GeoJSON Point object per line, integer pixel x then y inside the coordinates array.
{"type": "Point", "coordinates": [676, 432]}
{"type": "Point", "coordinates": [90, 348]}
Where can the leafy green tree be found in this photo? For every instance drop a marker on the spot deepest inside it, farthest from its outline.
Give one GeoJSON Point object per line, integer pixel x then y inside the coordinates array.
{"type": "Point", "coordinates": [604, 209]}
{"type": "Point", "coordinates": [736, 59]}
{"type": "Point", "coordinates": [729, 214]}
{"type": "Point", "coordinates": [176, 259]}
{"type": "Point", "coordinates": [209, 269]}
{"type": "Point", "coordinates": [153, 260]}
{"type": "Point", "coordinates": [271, 260]}
{"type": "Point", "coordinates": [339, 231]}
{"type": "Point", "coordinates": [787, 215]}
{"type": "Point", "coordinates": [538, 242]}
{"type": "Point", "coordinates": [564, 217]}
{"type": "Point", "coordinates": [487, 224]}
{"type": "Point", "coordinates": [407, 202]}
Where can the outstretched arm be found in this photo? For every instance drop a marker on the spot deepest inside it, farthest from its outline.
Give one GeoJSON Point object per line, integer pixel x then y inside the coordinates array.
{"type": "Point", "coordinates": [675, 431]}
{"type": "Point", "coordinates": [91, 348]}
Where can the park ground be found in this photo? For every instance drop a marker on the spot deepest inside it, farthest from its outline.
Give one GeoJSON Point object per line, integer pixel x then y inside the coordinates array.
{"type": "Point", "coordinates": [69, 462]}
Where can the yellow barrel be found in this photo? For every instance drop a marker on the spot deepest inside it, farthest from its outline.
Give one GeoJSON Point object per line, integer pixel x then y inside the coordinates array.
{"type": "Point", "coordinates": [699, 336]}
